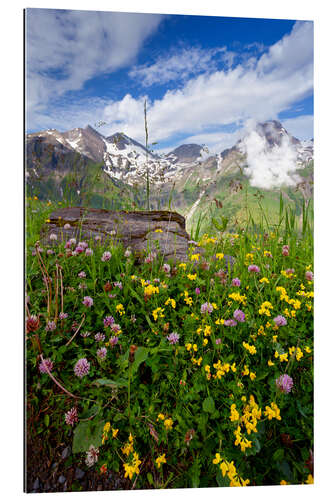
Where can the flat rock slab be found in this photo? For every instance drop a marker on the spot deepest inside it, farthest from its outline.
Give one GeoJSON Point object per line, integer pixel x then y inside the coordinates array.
{"type": "Point", "coordinates": [142, 232]}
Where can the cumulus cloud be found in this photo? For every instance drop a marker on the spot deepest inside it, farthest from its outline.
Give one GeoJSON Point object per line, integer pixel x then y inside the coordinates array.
{"type": "Point", "coordinates": [181, 65]}
{"type": "Point", "coordinates": [259, 88]}
{"type": "Point", "coordinates": [277, 81]}
{"type": "Point", "coordinates": [269, 167]}
{"type": "Point", "coordinates": [66, 48]}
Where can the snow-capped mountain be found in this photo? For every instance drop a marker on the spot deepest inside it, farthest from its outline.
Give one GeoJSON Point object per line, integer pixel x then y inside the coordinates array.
{"type": "Point", "coordinates": [124, 159]}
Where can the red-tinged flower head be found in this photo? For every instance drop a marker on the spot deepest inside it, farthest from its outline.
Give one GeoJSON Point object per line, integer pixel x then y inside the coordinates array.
{"type": "Point", "coordinates": [32, 323]}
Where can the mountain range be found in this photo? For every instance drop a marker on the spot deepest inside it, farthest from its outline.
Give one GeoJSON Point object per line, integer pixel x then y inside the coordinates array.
{"type": "Point", "coordinates": [59, 164]}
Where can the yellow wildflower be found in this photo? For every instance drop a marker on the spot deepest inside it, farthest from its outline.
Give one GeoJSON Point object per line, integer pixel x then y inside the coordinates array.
{"type": "Point", "coordinates": [168, 423]}
{"type": "Point", "coordinates": [160, 460]}
{"type": "Point", "coordinates": [195, 256]}
{"type": "Point", "coordinates": [192, 277]}
{"type": "Point", "coordinates": [217, 458]}
{"type": "Point", "coordinates": [120, 309]}
{"type": "Point", "coordinates": [172, 302]}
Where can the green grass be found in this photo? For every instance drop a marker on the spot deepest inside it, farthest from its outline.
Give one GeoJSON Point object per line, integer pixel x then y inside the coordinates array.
{"type": "Point", "coordinates": [201, 378]}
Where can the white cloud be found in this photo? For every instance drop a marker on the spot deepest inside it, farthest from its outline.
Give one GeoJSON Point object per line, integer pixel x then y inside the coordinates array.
{"type": "Point", "coordinates": [67, 48]}
{"type": "Point", "coordinates": [259, 90]}
{"type": "Point", "coordinates": [180, 65]}
{"type": "Point", "coordinates": [270, 167]}
{"type": "Point", "coordinates": [300, 126]}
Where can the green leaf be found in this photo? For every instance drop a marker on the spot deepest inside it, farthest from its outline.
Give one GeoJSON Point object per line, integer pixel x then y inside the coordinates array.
{"type": "Point", "coordinates": [301, 410]}
{"type": "Point", "coordinates": [47, 419]}
{"type": "Point", "coordinates": [208, 405]}
{"type": "Point", "coordinates": [121, 382]}
{"type": "Point", "coordinates": [90, 412]}
{"type": "Point", "coordinates": [150, 479]}
{"type": "Point", "coordinates": [194, 472]}
{"type": "Point", "coordinates": [86, 434]}
{"type": "Point", "coordinates": [278, 455]}
{"type": "Point", "coordinates": [141, 355]}
{"type": "Point", "coordinates": [222, 481]}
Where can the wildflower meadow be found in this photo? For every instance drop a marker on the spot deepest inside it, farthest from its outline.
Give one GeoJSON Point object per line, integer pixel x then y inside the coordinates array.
{"type": "Point", "coordinates": [174, 374]}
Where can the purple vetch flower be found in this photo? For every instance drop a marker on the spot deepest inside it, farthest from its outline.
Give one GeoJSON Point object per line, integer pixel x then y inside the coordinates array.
{"type": "Point", "coordinates": [82, 274]}
{"type": "Point", "coordinates": [87, 301]}
{"type": "Point", "coordinates": [50, 326]}
{"type": "Point", "coordinates": [78, 250]}
{"type": "Point", "coordinates": [49, 252]}
{"type": "Point", "coordinates": [45, 365]}
{"type": "Point", "coordinates": [72, 241]}
{"type": "Point", "coordinates": [309, 275]}
{"type": "Point", "coordinates": [218, 341]}
{"type": "Point", "coordinates": [239, 315]}
{"type": "Point", "coordinates": [82, 367]}
{"type": "Point", "coordinates": [98, 237]}
{"type": "Point", "coordinates": [63, 315]}
{"type": "Point", "coordinates": [53, 237]}
{"type": "Point", "coordinates": [253, 268]}
{"type": "Point", "coordinates": [99, 337]}
{"type": "Point", "coordinates": [173, 338]}
{"type": "Point", "coordinates": [150, 258]}
{"type": "Point", "coordinates": [157, 280]}
{"type": "Point", "coordinates": [101, 353]}
{"type": "Point", "coordinates": [230, 322]}
{"type": "Point", "coordinates": [290, 270]}
{"type": "Point", "coordinates": [89, 252]}
{"type": "Point", "coordinates": [92, 456]}
{"type": "Point", "coordinates": [280, 320]}
{"type": "Point", "coordinates": [192, 242]}
{"type": "Point", "coordinates": [284, 383]}
{"type": "Point", "coordinates": [106, 256]}
{"type": "Point", "coordinates": [197, 290]}
{"type": "Point", "coordinates": [71, 416]}
{"type": "Point", "coordinates": [285, 250]}
{"type": "Point", "coordinates": [206, 308]}
{"type": "Point", "coordinates": [236, 282]}
{"type": "Point", "coordinates": [113, 341]}
{"type": "Point", "coordinates": [82, 286]}
{"type": "Point", "coordinates": [118, 284]}
{"type": "Point", "coordinates": [83, 244]}
{"type": "Point", "coordinates": [166, 268]}
{"type": "Point", "coordinates": [115, 328]}
{"type": "Point", "coordinates": [112, 295]}
{"type": "Point", "coordinates": [108, 321]}
{"type": "Point", "coordinates": [85, 334]}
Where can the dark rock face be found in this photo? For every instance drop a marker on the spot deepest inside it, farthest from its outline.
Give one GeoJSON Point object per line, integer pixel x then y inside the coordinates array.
{"type": "Point", "coordinates": [186, 152]}
{"type": "Point", "coordinates": [143, 232]}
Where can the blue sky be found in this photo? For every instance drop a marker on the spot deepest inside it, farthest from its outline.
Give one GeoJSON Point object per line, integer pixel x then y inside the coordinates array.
{"type": "Point", "coordinates": [205, 79]}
